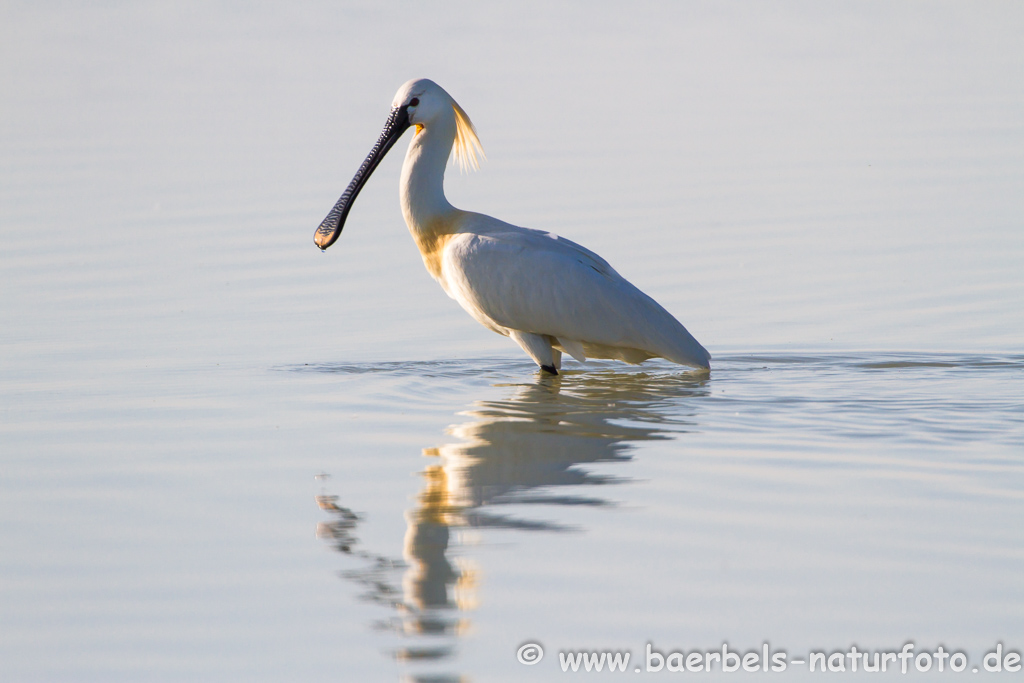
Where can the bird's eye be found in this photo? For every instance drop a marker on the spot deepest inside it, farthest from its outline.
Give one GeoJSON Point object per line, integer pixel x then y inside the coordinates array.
{"type": "Point", "coordinates": [414, 101]}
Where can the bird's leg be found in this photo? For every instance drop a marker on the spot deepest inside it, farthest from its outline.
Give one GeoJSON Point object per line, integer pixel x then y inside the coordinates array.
{"type": "Point", "coordinates": [538, 347]}
{"type": "Point", "coordinates": [556, 355]}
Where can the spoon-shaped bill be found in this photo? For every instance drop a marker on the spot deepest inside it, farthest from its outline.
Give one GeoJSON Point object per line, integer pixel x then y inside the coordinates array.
{"type": "Point", "coordinates": [330, 229]}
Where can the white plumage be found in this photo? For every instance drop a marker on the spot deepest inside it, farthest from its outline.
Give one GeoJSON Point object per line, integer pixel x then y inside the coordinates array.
{"type": "Point", "coordinates": [547, 293]}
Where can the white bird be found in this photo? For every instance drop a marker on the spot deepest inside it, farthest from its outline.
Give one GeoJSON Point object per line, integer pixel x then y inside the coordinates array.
{"type": "Point", "coordinates": [550, 295]}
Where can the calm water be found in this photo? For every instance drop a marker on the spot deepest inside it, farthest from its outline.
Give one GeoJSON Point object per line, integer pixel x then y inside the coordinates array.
{"type": "Point", "coordinates": [227, 456]}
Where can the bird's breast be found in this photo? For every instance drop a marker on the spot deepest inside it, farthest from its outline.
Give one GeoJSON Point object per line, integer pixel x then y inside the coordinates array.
{"type": "Point", "coordinates": [432, 236]}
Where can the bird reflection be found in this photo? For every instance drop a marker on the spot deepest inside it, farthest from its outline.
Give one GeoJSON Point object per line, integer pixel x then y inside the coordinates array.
{"type": "Point", "coordinates": [535, 448]}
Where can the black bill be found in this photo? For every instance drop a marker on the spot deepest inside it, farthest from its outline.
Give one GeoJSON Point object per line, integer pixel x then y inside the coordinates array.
{"type": "Point", "coordinates": [330, 229]}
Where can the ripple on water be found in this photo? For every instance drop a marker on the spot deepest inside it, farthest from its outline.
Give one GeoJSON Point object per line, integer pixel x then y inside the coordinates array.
{"type": "Point", "coordinates": [806, 400]}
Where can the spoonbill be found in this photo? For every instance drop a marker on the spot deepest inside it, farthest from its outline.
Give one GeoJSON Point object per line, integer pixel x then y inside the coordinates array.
{"type": "Point", "coordinates": [550, 295]}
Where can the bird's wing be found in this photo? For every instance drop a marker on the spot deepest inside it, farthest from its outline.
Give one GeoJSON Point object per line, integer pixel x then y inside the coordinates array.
{"type": "Point", "coordinates": [537, 282]}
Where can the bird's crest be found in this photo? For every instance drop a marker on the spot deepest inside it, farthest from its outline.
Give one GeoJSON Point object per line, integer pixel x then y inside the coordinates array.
{"type": "Point", "coordinates": [467, 144]}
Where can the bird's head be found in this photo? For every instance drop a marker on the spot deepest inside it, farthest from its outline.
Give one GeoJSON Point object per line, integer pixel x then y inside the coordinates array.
{"type": "Point", "coordinates": [423, 100]}
{"type": "Point", "coordinates": [426, 102]}
{"type": "Point", "coordinates": [418, 103]}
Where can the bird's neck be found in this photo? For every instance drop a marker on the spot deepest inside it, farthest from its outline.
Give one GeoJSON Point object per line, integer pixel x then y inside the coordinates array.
{"type": "Point", "coordinates": [430, 217]}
